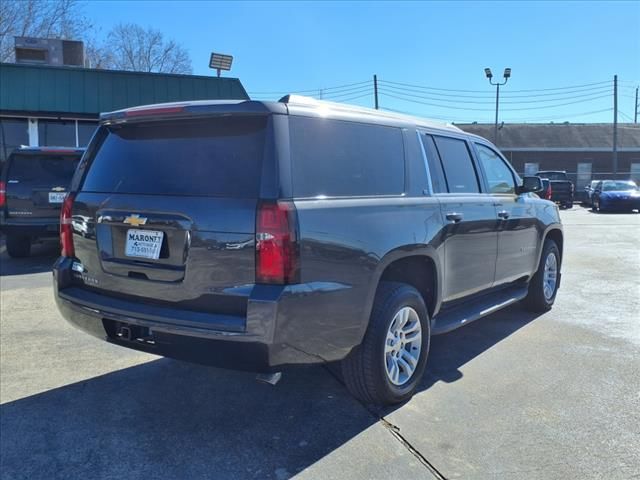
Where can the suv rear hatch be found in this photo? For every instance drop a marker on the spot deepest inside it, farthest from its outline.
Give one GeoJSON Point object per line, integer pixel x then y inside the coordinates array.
{"type": "Point", "coordinates": [36, 182]}
{"type": "Point", "coordinates": [166, 211]}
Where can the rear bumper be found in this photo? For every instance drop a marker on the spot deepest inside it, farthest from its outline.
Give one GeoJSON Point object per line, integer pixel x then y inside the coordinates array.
{"type": "Point", "coordinates": [285, 325]}
{"type": "Point", "coordinates": [31, 227]}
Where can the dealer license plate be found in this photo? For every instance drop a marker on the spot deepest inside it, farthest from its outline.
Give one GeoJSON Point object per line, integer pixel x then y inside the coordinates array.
{"type": "Point", "coordinates": [143, 243]}
{"type": "Point", "coordinates": [57, 197]}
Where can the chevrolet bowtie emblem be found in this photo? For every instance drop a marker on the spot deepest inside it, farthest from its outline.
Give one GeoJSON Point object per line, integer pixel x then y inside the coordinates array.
{"type": "Point", "coordinates": [135, 220]}
{"type": "Point", "coordinates": [58, 189]}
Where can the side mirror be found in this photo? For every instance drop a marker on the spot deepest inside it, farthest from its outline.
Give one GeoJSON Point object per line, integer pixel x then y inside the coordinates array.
{"type": "Point", "coordinates": [530, 184]}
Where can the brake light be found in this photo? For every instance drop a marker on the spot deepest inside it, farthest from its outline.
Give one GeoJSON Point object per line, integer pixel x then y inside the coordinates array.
{"type": "Point", "coordinates": [549, 193]}
{"type": "Point", "coordinates": [140, 112]}
{"type": "Point", "coordinates": [277, 252]}
{"type": "Point", "coordinates": [66, 230]}
{"type": "Point", "coordinates": [3, 194]}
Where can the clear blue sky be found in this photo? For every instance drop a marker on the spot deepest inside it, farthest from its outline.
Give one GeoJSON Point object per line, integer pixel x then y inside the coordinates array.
{"type": "Point", "coordinates": [289, 46]}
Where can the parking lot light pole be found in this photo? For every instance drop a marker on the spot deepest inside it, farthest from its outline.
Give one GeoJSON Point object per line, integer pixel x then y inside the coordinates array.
{"type": "Point", "coordinates": [507, 75]}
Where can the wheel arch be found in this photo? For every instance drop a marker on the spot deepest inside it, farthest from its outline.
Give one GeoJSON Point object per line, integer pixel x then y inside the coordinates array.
{"type": "Point", "coordinates": [415, 265]}
{"type": "Point", "coordinates": [556, 234]}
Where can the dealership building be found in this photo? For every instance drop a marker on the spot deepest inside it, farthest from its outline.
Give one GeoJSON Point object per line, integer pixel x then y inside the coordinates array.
{"type": "Point", "coordinates": [583, 150]}
{"type": "Point", "coordinates": [47, 105]}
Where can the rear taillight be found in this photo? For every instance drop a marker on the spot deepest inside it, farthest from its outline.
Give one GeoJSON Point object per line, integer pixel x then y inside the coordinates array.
{"type": "Point", "coordinates": [66, 230]}
{"type": "Point", "coordinates": [3, 194]}
{"type": "Point", "coordinates": [277, 252]}
{"type": "Point", "coordinates": [548, 194]}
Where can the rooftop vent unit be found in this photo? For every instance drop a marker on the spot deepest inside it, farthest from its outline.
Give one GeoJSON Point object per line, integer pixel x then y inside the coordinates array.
{"type": "Point", "coordinates": [49, 51]}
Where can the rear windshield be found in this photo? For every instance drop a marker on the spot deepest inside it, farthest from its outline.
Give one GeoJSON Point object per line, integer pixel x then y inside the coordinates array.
{"type": "Point", "coordinates": [203, 157]}
{"type": "Point", "coordinates": [553, 175]}
{"type": "Point", "coordinates": [42, 169]}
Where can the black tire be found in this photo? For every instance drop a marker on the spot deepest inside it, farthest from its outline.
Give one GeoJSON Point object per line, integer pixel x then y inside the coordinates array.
{"type": "Point", "coordinates": [18, 246]}
{"type": "Point", "coordinates": [364, 370]}
{"type": "Point", "coordinates": [568, 205]}
{"type": "Point", "coordinates": [536, 301]}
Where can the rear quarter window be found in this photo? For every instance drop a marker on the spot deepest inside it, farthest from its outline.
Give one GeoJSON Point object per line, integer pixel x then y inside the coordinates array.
{"type": "Point", "coordinates": [202, 157]}
{"type": "Point", "coordinates": [336, 158]}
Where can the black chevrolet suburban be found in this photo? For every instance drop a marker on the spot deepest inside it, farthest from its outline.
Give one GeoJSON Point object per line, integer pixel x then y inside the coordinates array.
{"type": "Point", "coordinates": [256, 235]}
{"type": "Point", "coordinates": [33, 184]}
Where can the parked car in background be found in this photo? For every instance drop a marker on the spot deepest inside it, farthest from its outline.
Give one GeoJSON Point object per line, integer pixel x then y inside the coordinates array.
{"type": "Point", "coordinates": [621, 195]}
{"type": "Point", "coordinates": [562, 188]}
{"type": "Point", "coordinates": [547, 191]}
{"type": "Point", "coordinates": [255, 235]}
{"type": "Point", "coordinates": [589, 189]}
{"type": "Point", "coordinates": [33, 185]}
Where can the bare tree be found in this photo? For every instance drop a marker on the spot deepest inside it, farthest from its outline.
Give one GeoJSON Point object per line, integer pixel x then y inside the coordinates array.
{"type": "Point", "coordinates": [132, 47]}
{"type": "Point", "coordinates": [39, 18]}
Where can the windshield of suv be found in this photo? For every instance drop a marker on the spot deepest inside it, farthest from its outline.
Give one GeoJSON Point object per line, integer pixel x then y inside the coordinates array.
{"type": "Point", "coordinates": [204, 157]}
{"type": "Point", "coordinates": [554, 176]}
{"type": "Point", "coordinates": [611, 185]}
{"type": "Point", "coordinates": [42, 169]}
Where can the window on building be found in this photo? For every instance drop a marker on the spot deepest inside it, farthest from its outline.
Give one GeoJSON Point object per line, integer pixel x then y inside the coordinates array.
{"type": "Point", "coordinates": [531, 168]}
{"type": "Point", "coordinates": [458, 167]}
{"type": "Point", "coordinates": [85, 132]}
{"type": "Point", "coordinates": [337, 158]}
{"type": "Point", "coordinates": [584, 175]}
{"type": "Point", "coordinates": [58, 133]}
{"type": "Point", "coordinates": [635, 171]}
{"type": "Point", "coordinates": [13, 133]}
{"type": "Point", "coordinates": [499, 175]}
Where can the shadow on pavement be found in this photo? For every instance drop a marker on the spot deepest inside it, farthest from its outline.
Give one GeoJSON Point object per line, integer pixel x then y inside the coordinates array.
{"type": "Point", "coordinates": [168, 419]}
{"type": "Point", "coordinates": [43, 255]}
{"type": "Point", "coordinates": [451, 351]}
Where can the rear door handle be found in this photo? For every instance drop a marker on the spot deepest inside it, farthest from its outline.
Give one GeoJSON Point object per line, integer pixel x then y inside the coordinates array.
{"type": "Point", "coordinates": [503, 214]}
{"type": "Point", "coordinates": [454, 217]}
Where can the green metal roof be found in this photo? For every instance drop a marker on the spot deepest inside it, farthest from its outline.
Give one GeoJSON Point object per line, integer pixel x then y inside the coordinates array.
{"type": "Point", "coordinates": [68, 90]}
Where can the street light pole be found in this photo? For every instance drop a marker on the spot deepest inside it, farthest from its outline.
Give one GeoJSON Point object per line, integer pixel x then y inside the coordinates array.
{"type": "Point", "coordinates": [489, 75]}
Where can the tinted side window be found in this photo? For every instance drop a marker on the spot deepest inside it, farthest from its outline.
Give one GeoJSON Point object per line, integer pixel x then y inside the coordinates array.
{"type": "Point", "coordinates": [436, 173]}
{"type": "Point", "coordinates": [458, 167]}
{"type": "Point", "coordinates": [499, 176]}
{"type": "Point", "coordinates": [337, 158]}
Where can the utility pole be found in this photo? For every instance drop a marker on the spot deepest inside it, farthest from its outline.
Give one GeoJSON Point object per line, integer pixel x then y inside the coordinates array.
{"type": "Point", "coordinates": [615, 126]}
{"type": "Point", "coordinates": [489, 75]}
{"type": "Point", "coordinates": [375, 90]}
{"type": "Point", "coordinates": [635, 115]}
{"type": "Point", "coordinates": [495, 125]}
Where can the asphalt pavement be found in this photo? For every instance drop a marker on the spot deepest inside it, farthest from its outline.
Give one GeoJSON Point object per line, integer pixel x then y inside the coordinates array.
{"type": "Point", "coordinates": [513, 395]}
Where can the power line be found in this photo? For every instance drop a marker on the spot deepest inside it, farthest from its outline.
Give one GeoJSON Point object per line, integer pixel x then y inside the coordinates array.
{"type": "Point", "coordinates": [490, 95]}
{"type": "Point", "coordinates": [385, 92]}
{"type": "Point", "coordinates": [368, 94]}
{"type": "Point", "coordinates": [346, 94]}
{"type": "Point", "coordinates": [338, 87]}
{"type": "Point", "coordinates": [484, 91]}
{"type": "Point", "coordinates": [489, 102]}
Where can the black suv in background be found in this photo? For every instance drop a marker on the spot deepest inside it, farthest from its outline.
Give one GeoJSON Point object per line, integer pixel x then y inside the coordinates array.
{"type": "Point", "coordinates": [562, 190]}
{"type": "Point", "coordinates": [33, 185]}
{"type": "Point", "coordinates": [254, 235]}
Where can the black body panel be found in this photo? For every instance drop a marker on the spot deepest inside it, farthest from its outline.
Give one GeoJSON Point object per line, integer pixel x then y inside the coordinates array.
{"type": "Point", "coordinates": [201, 290]}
